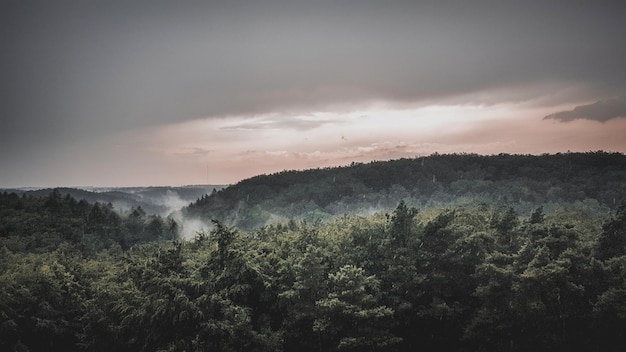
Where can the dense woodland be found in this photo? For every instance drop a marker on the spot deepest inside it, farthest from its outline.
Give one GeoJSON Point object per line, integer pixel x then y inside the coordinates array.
{"type": "Point", "coordinates": [34, 224]}
{"type": "Point", "coordinates": [476, 275]}
{"type": "Point", "coordinates": [519, 181]}
{"type": "Point", "coordinates": [152, 200]}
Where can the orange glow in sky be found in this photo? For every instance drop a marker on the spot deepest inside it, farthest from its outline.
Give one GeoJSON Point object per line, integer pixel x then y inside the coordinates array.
{"type": "Point", "coordinates": [234, 148]}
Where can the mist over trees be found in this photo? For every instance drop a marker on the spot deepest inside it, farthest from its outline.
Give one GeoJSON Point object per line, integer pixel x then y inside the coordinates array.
{"type": "Point", "coordinates": [520, 181]}
{"type": "Point", "coordinates": [34, 224]}
{"type": "Point", "coordinates": [153, 200]}
{"type": "Point", "coordinates": [513, 271]}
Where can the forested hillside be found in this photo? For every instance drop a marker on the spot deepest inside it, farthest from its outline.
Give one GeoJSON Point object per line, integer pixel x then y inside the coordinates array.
{"type": "Point", "coordinates": [462, 279]}
{"type": "Point", "coordinates": [41, 224]}
{"type": "Point", "coordinates": [153, 200]}
{"type": "Point", "coordinates": [521, 181]}
{"type": "Point", "coordinates": [478, 253]}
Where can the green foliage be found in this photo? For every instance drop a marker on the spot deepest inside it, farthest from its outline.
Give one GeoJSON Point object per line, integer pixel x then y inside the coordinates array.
{"type": "Point", "coordinates": [30, 224]}
{"type": "Point", "coordinates": [476, 277]}
{"type": "Point", "coordinates": [351, 317]}
{"type": "Point", "coordinates": [517, 181]}
{"type": "Point", "coordinates": [402, 225]}
{"type": "Point", "coordinates": [612, 241]}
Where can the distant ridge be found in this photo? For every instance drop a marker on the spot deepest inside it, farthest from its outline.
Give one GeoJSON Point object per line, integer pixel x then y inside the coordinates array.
{"type": "Point", "coordinates": [520, 181]}
{"type": "Point", "coordinates": [157, 200]}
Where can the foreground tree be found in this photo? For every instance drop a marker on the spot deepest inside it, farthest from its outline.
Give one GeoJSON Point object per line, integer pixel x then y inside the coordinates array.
{"type": "Point", "coordinates": [351, 317]}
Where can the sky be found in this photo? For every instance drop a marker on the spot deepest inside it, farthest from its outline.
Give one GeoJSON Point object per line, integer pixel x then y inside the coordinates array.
{"type": "Point", "coordinates": [147, 93]}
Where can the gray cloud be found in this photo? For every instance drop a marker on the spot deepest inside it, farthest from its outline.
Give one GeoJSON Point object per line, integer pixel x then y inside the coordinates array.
{"type": "Point", "coordinates": [75, 69]}
{"type": "Point", "coordinates": [602, 110]}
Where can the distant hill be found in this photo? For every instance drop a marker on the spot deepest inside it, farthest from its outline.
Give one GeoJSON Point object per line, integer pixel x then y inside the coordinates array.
{"type": "Point", "coordinates": [153, 200]}
{"type": "Point", "coordinates": [597, 179]}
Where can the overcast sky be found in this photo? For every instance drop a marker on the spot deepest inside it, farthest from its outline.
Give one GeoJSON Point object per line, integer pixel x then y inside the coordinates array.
{"type": "Point", "coordinates": [122, 93]}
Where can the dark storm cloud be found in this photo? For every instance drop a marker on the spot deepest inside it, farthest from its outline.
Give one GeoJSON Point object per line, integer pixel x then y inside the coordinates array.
{"type": "Point", "coordinates": [76, 69]}
{"type": "Point", "coordinates": [602, 110]}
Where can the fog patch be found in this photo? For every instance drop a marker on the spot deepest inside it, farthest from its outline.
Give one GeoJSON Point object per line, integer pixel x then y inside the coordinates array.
{"type": "Point", "coordinates": [189, 228]}
{"type": "Point", "coordinates": [172, 202]}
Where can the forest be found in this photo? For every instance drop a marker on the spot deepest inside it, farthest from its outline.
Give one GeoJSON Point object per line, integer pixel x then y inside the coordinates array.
{"type": "Point", "coordinates": [534, 260]}
{"type": "Point", "coordinates": [436, 181]}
